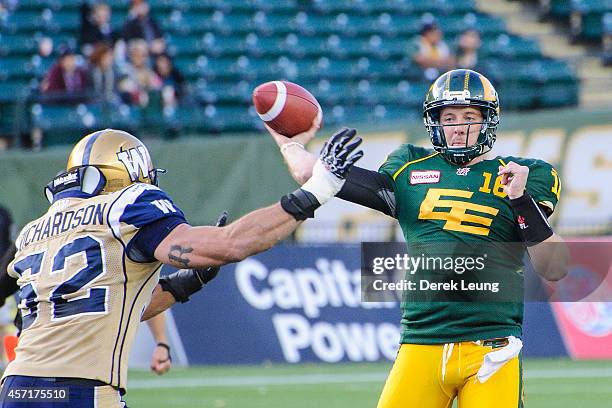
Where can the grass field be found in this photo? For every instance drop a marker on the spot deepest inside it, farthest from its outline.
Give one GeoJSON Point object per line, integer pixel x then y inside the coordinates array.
{"type": "Point", "coordinates": [558, 383]}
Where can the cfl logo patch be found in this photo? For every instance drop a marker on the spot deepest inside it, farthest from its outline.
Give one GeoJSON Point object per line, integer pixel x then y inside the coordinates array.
{"type": "Point", "coordinates": [135, 162]}
{"type": "Point", "coordinates": [521, 222]}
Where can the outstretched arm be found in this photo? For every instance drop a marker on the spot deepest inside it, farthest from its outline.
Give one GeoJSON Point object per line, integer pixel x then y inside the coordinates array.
{"type": "Point", "coordinates": [197, 247]}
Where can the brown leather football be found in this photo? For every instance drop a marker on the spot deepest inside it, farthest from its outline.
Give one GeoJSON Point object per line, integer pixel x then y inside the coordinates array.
{"type": "Point", "coordinates": [286, 107]}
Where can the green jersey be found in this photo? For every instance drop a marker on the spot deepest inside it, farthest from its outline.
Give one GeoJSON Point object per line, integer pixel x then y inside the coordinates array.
{"type": "Point", "coordinates": [437, 201]}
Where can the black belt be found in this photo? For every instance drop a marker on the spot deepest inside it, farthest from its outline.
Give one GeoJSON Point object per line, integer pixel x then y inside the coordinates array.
{"type": "Point", "coordinates": [496, 343]}
{"type": "Point", "coordinates": [81, 382]}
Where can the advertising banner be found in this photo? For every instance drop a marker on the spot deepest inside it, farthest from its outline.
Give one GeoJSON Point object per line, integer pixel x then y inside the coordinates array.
{"type": "Point", "coordinates": [290, 304]}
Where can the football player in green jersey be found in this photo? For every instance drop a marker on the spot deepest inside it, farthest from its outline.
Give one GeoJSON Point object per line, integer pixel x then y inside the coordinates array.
{"type": "Point", "coordinates": [459, 192]}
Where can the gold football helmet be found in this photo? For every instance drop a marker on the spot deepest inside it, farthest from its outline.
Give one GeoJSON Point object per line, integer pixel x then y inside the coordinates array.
{"type": "Point", "coordinates": [120, 157]}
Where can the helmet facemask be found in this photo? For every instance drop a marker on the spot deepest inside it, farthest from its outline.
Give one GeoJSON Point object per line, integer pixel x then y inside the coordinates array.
{"type": "Point", "coordinates": [464, 154]}
{"type": "Point", "coordinates": [462, 88]}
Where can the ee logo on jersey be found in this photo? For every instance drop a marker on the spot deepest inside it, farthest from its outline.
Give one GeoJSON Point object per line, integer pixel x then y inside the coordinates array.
{"type": "Point", "coordinates": [457, 216]}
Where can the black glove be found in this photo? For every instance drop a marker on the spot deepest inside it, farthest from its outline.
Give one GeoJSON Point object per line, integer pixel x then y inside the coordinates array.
{"type": "Point", "coordinates": [185, 282]}
{"type": "Point", "coordinates": [328, 175]}
{"type": "Point", "coordinates": [338, 153]}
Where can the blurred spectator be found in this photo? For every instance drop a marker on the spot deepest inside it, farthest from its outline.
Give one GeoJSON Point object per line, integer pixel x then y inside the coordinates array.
{"type": "Point", "coordinates": [467, 49]}
{"type": "Point", "coordinates": [606, 40]}
{"type": "Point", "coordinates": [45, 46]}
{"type": "Point", "coordinates": [431, 53]}
{"type": "Point", "coordinates": [172, 80]}
{"type": "Point", "coordinates": [95, 26]}
{"type": "Point", "coordinates": [66, 81]}
{"type": "Point", "coordinates": [138, 79]}
{"type": "Point", "coordinates": [141, 25]}
{"type": "Point", "coordinates": [8, 6]}
{"type": "Point", "coordinates": [103, 75]}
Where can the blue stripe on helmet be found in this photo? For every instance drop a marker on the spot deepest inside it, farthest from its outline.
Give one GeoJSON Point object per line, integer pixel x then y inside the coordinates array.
{"type": "Point", "coordinates": [89, 146]}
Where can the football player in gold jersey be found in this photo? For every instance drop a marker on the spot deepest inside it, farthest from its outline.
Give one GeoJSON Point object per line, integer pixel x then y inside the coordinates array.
{"type": "Point", "coordinates": [88, 269]}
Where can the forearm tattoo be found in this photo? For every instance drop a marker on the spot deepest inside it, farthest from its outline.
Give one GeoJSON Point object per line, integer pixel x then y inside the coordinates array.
{"type": "Point", "coordinates": [177, 254]}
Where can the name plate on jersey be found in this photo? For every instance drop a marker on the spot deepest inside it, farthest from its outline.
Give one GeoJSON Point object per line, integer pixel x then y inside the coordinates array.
{"type": "Point", "coordinates": [424, 176]}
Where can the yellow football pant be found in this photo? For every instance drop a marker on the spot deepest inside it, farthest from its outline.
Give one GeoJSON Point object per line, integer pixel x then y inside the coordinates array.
{"type": "Point", "coordinates": [431, 376]}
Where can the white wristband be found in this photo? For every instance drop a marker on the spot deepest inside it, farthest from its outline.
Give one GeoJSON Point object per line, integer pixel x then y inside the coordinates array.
{"type": "Point", "coordinates": [323, 184]}
{"type": "Point", "coordinates": [288, 145]}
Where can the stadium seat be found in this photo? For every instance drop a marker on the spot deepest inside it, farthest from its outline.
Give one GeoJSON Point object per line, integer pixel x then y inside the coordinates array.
{"type": "Point", "coordinates": [397, 24]}
{"type": "Point", "coordinates": [350, 53]}
{"type": "Point", "coordinates": [63, 21]}
{"type": "Point", "coordinates": [511, 47]}
{"type": "Point", "coordinates": [64, 124]}
{"type": "Point", "coordinates": [15, 67]}
{"type": "Point", "coordinates": [11, 91]}
{"type": "Point", "coordinates": [586, 21]}
{"type": "Point", "coordinates": [212, 92]}
{"type": "Point", "coordinates": [556, 8]}
{"type": "Point", "coordinates": [17, 44]}
{"type": "Point", "coordinates": [26, 21]}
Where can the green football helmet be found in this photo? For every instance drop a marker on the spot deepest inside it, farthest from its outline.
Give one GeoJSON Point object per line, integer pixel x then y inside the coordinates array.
{"type": "Point", "coordinates": [461, 87]}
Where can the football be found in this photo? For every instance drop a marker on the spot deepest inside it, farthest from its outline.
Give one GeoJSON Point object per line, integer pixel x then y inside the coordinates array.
{"type": "Point", "coordinates": [286, 107]}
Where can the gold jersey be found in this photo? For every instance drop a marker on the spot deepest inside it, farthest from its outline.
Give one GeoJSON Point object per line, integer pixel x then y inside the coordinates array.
{"type": "Point", "coordinates": [82, 290]}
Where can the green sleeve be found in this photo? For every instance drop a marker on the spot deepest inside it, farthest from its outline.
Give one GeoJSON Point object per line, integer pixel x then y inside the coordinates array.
{"type": "Point", "coordinates": [544, 184]}
{"type": "Point", "coordinates": [395, 160]}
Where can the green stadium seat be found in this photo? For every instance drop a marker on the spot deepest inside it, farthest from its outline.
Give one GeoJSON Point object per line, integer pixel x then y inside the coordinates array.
{"type": "Point", "coordinates": [455, 24]}
{"type": "Point", "coordinates": [373, 68]}
{"type": "Point", "coordinates": [33, 5]}
{"type": "Point", "coordinates": [212, 92]}
{"type": "Point", "coordinates": [41, 66]}
{"type": "Point", "coordinates": [11, 91]}
{"type": "Point", "coordinates": [415, 7]}
{"type": "Point", "coordinates": [64, 124]}
{"type": "Point", "coordinates": [341, 47]}
{"type": "Point", "coordinates": [588, 21]}
{"type": "Point", "coordinates": [62, 21]}
{"type": "Point", "coordinates": [387, 47]}
{"type": "Point", "coordinates": [258, 45]}
{"type": "Point", "coordinates": [511, 46]}
{"type": "Point", "coordinates": [64, 4]}
{"type": "Point", "coordinates": [351, 24]}
{"type": "Point", "coordinates": [26, 20]}
{"type": "Point", "coordinates": [122, 117]}
{"type": "Point", "coordinates": [208, 44]}
{"type": "Point", "coordinates": [17, 44]}
{"type": "Point", "coordinates": [397, 24]}
{"type": "Point", "coordinates": [410, 93]}
{"type": "Point", "coordinates": [337, 6]}
{"type": "Point", "coordinates": [276, 5]}
{"type": "Point", "coordinates": [556, 8]}
{"type": "Point", "coordinates": [213, 118]}
{"type": "Point", "coordinates": [16, 68]}
{"type": "Point", "coordinates": [204, 67]}
{"type": "Point", "coordinates": [518, 95]}
{"type": "Point", "coordinates": [556, 94]}
{"type": "Point", "coordinates": [303, 46]}
{"type": "Point", "coordinates": [455, 6]}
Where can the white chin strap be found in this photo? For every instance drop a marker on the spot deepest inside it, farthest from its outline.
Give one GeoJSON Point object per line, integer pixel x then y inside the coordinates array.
{"type": "Point", "coordinates": [91, 180]}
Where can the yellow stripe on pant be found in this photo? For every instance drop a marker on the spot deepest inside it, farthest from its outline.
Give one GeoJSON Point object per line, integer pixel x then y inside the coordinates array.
{"type": "Point", "coordinates": [432, 376]}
